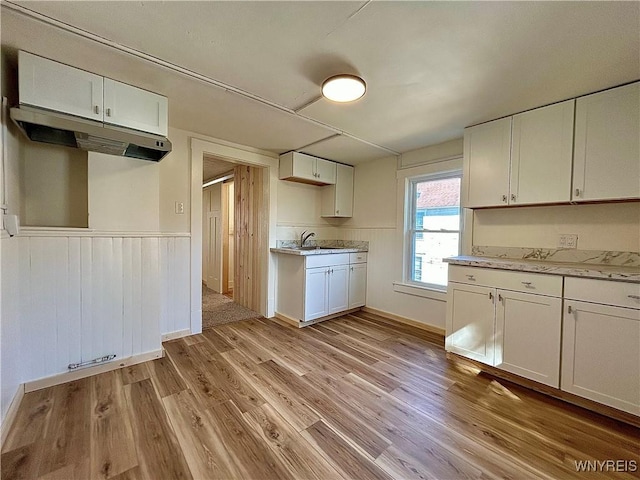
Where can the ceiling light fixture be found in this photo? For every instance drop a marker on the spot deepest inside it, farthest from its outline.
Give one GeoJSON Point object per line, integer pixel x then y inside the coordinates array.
{"type": "Point", "coordinates": [343, 88]}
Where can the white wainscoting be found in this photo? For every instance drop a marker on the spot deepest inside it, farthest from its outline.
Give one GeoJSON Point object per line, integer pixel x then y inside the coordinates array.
{"type": "Point", "coordinates": [83, 297]}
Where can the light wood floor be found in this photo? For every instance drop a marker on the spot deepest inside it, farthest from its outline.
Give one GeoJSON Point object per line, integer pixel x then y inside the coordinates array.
{"type": "Point", "coordinates": [355, 397]}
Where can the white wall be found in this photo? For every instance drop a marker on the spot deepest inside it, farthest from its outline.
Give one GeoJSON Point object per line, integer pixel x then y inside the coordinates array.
{"type": "Point", "coordinates": [54, 185]}
{"type": "Point", "coordinates": [175, 178]}
{"type": "Point", "coordinates": [124, 194]}
{"type": "Point", "coordinates": [610, 226]}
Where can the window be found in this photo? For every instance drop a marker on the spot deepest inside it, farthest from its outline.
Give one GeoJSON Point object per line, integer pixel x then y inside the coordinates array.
{"type": "Point", "coordinates": [434, 227]}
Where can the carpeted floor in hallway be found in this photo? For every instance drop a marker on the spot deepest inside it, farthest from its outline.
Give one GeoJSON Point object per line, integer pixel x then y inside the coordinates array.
{"type": "Point", "coordinates": [218, 309]}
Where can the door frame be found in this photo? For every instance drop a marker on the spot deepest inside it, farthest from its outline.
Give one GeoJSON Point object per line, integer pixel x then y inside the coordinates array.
{"type": "Point", "coordinates": [239, 155]}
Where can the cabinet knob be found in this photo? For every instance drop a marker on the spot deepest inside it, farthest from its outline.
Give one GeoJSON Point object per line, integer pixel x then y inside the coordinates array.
{"type": "Point", "coordinates": [504, 198]}
{"type": "Point", "coordinates": [513, 197]}
{"type": "Point", "coordinates": [471, 277]}
{"type": "Point", "coordinates": [527, 284]}
{"type": "Point", "coordinates": [577, 192]}
{"type": "Point", "coordinates": [337, 212]}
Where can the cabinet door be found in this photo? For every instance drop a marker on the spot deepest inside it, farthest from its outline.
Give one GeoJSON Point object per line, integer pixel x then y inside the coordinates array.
{"type": "Point", "coordinates": [337, 200]}
{"type": "Point", "coordinates": [316, 293]}
{"type": "Point", "coordinates": [357, 285]}
{"type": "Point", "coordinates": [541, 155]}
{"type": "Point", "coordinates": [325, 171]}
{"type": "Point", "coordinates": [338, 288]}
{"type": "Point", "coordinates": [606, 162]}
{"type": "Point", "coordinates": [304, 166]}
{"type": "Point", "coordinates": [487, 152]}
{"type": "Point", "coordinates": [528, 336]}
{"type": "Point", "coordinates": [470, 321]}
{"type": "Point", "coordinates": [132, 107]}
{"type": "Point", "coordinates": [601, 354]}
{"type": "Point", "coordinates": [54, 86]}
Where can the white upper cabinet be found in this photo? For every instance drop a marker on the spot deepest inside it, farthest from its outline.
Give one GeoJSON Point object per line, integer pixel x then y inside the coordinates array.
{"type": "Point", "coordinates": [606, 163]}
{"type": "Point", "coordinates": [135, 108]}
{"type": "Point", "coordinates": [337, 200]}
{"type": "Point", "coordinates": [487, 152]}
{"type": "Point", "coordinates": [541, 154]}
{"type": "Point", "coordinates": [47, 84]}
{"type": "Point", "coordinates": [303, 168]}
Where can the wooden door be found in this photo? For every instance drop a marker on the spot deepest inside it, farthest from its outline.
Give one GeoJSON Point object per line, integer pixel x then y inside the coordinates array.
{"type": "Point", "coordinates": [249, 227]}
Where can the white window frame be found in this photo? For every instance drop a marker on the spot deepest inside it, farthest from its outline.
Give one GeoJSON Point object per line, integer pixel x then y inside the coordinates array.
{"type": "Point", "coordinates": [410, 209]}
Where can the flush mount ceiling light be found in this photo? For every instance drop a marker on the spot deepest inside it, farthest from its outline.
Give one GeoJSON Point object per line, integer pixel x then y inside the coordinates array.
{"type": "Point", "coordinates": [343, 88]}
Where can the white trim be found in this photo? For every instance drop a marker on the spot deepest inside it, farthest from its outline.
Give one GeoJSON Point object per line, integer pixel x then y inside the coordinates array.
{"type": "Point", "coordinates": [73, 232]}
{"type": "Point", "coordinates": [408, 321]}
{"type": "Point", "coordinates": [420, 291]}
{"type": "Point", "coordinates": [10, 416]}
{"type": "Point", "coordinates": [90, 371]}
{"type": "Point", "coordinates": [173, 335]}
{"type": "Point", "coordinates": [237, 154]}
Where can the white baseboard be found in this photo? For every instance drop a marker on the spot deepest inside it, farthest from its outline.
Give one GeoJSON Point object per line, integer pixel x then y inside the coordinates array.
{"type": "Point", "coordinates": [407, 321]}
{"type": "Point", "coordinates": [12, 412]}
{"type": "Point", "coordinates": [177, 334]}
{"type": "Point", "coordinates": [89, 371]}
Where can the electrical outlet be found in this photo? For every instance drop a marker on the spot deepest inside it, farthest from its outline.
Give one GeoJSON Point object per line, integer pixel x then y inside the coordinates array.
{"type": "Point", "coordinates": [567, 240]}
{"type": "Point", "coordinates": [179, 208]}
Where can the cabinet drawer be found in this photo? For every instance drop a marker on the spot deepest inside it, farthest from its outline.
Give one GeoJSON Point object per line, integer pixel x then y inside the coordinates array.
{"type": "Point", "coordinates": [608, 292]}
{"type": "Point", "coordinates": [331, 259]}
{"type": "Point", "coordinates": [507, 280]}
{"type": "Point", "coordinates": [359, 257]}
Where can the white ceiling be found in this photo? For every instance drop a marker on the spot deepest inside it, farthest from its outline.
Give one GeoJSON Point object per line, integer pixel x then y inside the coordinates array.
{"type": "Point", "coordinates": [214, 168]}
{"type": "Point", "coordinates": [431, 68]}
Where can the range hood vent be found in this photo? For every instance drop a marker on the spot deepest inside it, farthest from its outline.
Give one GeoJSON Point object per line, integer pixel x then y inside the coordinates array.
{"type": "Point", "coordinates": [56, 128]}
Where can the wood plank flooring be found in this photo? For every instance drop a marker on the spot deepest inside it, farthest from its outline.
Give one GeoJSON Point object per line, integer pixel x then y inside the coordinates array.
{"type": "Point", "coordinates": [357, 397]}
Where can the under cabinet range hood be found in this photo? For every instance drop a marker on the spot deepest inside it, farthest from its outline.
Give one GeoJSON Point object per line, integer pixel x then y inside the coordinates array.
{"type": "Point", "coordinates": [45, 126]}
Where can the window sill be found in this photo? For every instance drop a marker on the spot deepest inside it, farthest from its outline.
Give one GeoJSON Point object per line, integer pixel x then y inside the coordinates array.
{"type": "Point", "coordinates": [420, 291]}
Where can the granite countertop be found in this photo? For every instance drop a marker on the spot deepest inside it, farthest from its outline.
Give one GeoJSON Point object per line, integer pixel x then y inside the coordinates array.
{"type": "Point", "coordinates": [317, 251]}
{"type": "Point", "coordinates": [599, 271]}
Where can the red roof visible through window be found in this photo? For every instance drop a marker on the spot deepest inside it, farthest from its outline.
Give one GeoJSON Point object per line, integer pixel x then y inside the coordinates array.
{"type": "Point", "coordinates": [438, 193]}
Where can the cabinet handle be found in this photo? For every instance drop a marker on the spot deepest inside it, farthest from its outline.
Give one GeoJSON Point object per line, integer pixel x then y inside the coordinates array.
{"type": "Point", "coordinates": [499, 297]}
{"type": "Point", "coordinates": [337, 212]}
{"type": "Point", "coordinates": [352, 269]}
{"type": "Point", "coordinates": [490, 296]}
{"type": "Point", "coordinates": [569, 309]}
{"type": "Point", "coordinates": [108, 112]}
{"type": "Point", "coordinates": [504, 198]}
{"type": "Point", "coordinates": [513, 197]}
{"type": "Point", "coordinates": [471, 277]}
{"type": "Point", "coordinates": [96, 109]}
{"type": "Point", "coordinates": [577, 192]}
{"type": "Point", "coordinates": [527, 284]}
{"type": "Point", "coordinates": [635, 297]}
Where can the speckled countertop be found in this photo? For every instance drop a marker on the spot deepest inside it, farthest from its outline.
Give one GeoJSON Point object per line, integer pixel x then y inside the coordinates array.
{"type": "Point", "coordinates": [317, 251]}
{"type": "Point", "coordinates": [587, 270]}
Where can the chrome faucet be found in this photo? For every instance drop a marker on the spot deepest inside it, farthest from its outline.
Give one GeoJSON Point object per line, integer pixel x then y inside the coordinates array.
{"type": "Point", "coordinates": [304, 238]}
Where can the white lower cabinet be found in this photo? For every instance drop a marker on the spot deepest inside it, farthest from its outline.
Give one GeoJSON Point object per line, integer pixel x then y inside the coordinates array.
{"type": "Point", "coordinates": [315, 286]}
{"type": "Point", "coordinates": [527, 340]}
{"type": "Point", "coordinates": [470, 322]}
{"type": "Point", "coordinates": [601, 344]}
{"type": "Point", "coordinates": [316, 293]}
{"type": "Point", "coordinates": [492, 318]}
{"type": "Point", "coordinates": [357, 285]}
